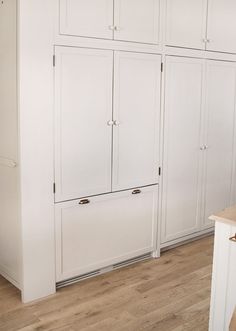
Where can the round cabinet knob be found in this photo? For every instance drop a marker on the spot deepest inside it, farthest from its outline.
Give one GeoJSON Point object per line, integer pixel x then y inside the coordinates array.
{"type": "Point", "coordinates": [116, 123]}
{"type": "Point", "coordinates": [202, 148]}
{"type": "Point", "coordinates": [110, 123]}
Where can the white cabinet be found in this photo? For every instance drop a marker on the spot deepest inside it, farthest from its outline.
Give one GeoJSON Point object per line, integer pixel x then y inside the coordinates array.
{"type": "Point", "coordinates": [95, 146]}
{"type": "Point", "coordinates": [222, 26]}
{"type": "Point", "coordinates": [137, 20]}
{"type": "Point", "coordinates": [182, 141]}
{"type": "Point", "coordinates": [198, 143]}
{"type": "Point", "coordinates": [201, 24]}
{"type": "Point", "coordinates": [127, 20]}
{"type": "Point", "coordinates": [83, 107]}
{"type": "Point", "coordinates": [87, 18]}
{"type": "Point", "coordinates": [186, 23]}
{"type": "Point", "coordinates": [220, 113]}
{"type": "Point", "coordinates": [136, 114]}
{"type": "Point", "coordinates": [104, 230]}
{"type": "Point", "coordinates": [223, 295]}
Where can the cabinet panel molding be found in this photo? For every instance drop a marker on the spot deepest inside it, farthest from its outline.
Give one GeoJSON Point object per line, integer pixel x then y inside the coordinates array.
{"type": "Point", "coordinates": [83, 109]}
{"type": "Point", "coordinates": [107, 230]}
{"type": "Point", "coordinates": [137, 79]}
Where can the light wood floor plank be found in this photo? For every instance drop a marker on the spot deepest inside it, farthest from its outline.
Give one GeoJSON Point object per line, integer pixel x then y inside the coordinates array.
{"type": "Point", "coordinates": [170, 293]}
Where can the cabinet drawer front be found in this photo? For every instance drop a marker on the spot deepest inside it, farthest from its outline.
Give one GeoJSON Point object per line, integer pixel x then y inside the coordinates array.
{"type": "Point", "coordinates": [83, 107]}
{"type": "Point", "coordinates": [86, 18]}
{"type": "Point", "coordinates": [97, 232]}
{"type": "Point", "coordinates": [137, 20]}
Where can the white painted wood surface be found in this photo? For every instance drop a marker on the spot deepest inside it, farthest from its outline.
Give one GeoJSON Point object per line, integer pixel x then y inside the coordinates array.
{"type": "Point", "coordinates": [221, 28]}
{"type": "Point", "coordinates": [35, 84]}
{"type": "Point", "coordinates": [90, 18]}
{"type": "Point", "coordinates": [223, 293]}
{"type": "Point", "coordinates": [109, 229]}
{"type": "Point", "coordinates": [83, 109]}
{"type": "Point", "coordinates": [182, 143]}
{"type": "Point", "coordinates": [9, 191]}
{"type": "Point", "coordinates": [137, 79]}
{"type": "Point", "coordinates": [137, 20]}
{"type": "Point", "coordinates": [186, 23]}
{"type": "Point", "coordinates": [220, 125]}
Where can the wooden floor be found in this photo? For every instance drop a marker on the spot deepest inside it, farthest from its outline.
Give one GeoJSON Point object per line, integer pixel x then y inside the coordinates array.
{"type": "Point", "coordinates": [171, 293]}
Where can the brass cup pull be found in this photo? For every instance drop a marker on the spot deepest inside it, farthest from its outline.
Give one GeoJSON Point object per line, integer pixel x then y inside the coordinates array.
{"type": "Point", "coordinates": [136, 191]}
{"type": "Point", "coordinates": [84, 202]}
{"type": "Point", "coordinates": [233, 238]}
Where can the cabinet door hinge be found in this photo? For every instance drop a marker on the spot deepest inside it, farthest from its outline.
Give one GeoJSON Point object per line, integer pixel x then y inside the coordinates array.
{"type": "Point", "coordinates": [162, 66]}
{"type": "Point", "coordinates": [54, 60]}
{"type": "Point", "coordinates": [159, 171]}
{"type": "Point", "coordinates": [54, 188]}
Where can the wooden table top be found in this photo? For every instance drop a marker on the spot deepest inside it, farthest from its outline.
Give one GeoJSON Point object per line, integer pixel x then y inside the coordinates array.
{"type": "Point", "coordinates": [227, 215]}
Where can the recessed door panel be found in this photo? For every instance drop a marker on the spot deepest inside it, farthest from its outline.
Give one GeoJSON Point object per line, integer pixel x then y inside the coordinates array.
{"type": "Point", "coordinates": [137, 20]}
{"type": "Point", "coordinates": [222, 26]}
{"type": "Point", "coordinates": [182, 143]}
{"type": "Point", "coordinates": [105, 230]}
{"type": "Point", "coordinates": [87, 18]}
{"type": "Point", "coordinates": [186, 23]}
{"type": "Point", "coordinates": [220, 104]}
{"type": "Point", "coordinates": [136, 115]}
{"type": "Point", "coordinates": [83, 107]}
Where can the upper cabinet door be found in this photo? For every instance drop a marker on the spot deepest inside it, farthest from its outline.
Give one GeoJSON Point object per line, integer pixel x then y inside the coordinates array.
{"type": "Point", "coordinates": [186, 23]}
{"type": "Point", "coordinates": [221, 93]}
{"type": "Point", "coordinates": [83, 107]}
{"type": "Point", "coordinates": [87, 18]}
{"type": "Point", "coordinates": [137, 20]}
{"type": "Point", "coordinates": [182, 147]}
{"type": "Point", "coordinates": [136, 116]}
{"type": "Point", "coordinates": [222, 25]}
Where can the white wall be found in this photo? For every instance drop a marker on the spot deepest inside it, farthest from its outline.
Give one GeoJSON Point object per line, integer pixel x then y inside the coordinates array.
{"type": "Point", "coordinates": [9, 221]}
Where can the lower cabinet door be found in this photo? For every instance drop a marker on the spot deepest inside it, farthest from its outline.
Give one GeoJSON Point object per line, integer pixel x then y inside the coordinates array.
{"type": "Point", "coordinates": [220, 111]}
{"type": "Point", "coordinates": [182, 163]}
{"type": "Point", "coordinates": [103, 230]}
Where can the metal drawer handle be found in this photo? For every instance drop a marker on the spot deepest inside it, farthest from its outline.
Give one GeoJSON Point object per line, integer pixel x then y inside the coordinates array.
{"type": "Point", "coordinates": [233, 238]}
{"type": "Point", "coordinates": [136, 191]}
{"type": "Point", "coordinates": [84, 202]}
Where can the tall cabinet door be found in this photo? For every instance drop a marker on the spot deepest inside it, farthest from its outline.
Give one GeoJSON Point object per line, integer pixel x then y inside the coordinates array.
{"type": "Point", "coordinates": [220, 103]}
{"type": "Point", "coordinates": [87, 18]}
{"type": "Point", "coordinates": [136, 116]}
{"type": "Point", "coordinates": [222, 25]}
{"type": "Point", "coordinates": [182, 147]}
{"type": "Point", "coordinates": [137, 20]}
{"type": "Point", "coordinates": [83, 109]}
{"type": "Point", "coordinates": [186, 23]}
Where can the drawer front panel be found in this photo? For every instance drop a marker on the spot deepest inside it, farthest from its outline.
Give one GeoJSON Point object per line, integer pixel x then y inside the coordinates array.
{"type": "Point", "coordinates": [100, 231]}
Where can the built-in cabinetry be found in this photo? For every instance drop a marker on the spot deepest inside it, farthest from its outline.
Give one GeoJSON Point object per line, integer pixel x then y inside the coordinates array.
{"type": "Point", "coordinates": [107, 109]}
{"type": "Point", "coordinates": [186, 23]}
{"type": "Point", "coordinates": [127, 20]}
{"type": "Point", "coordinates": [199, 124]}
{"type": "Point", "coordinates": [91, 92]}
{"type": "Point", "coordinates": [201, 24]}
{"type": "Point", "coordinates": [100, 231]}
